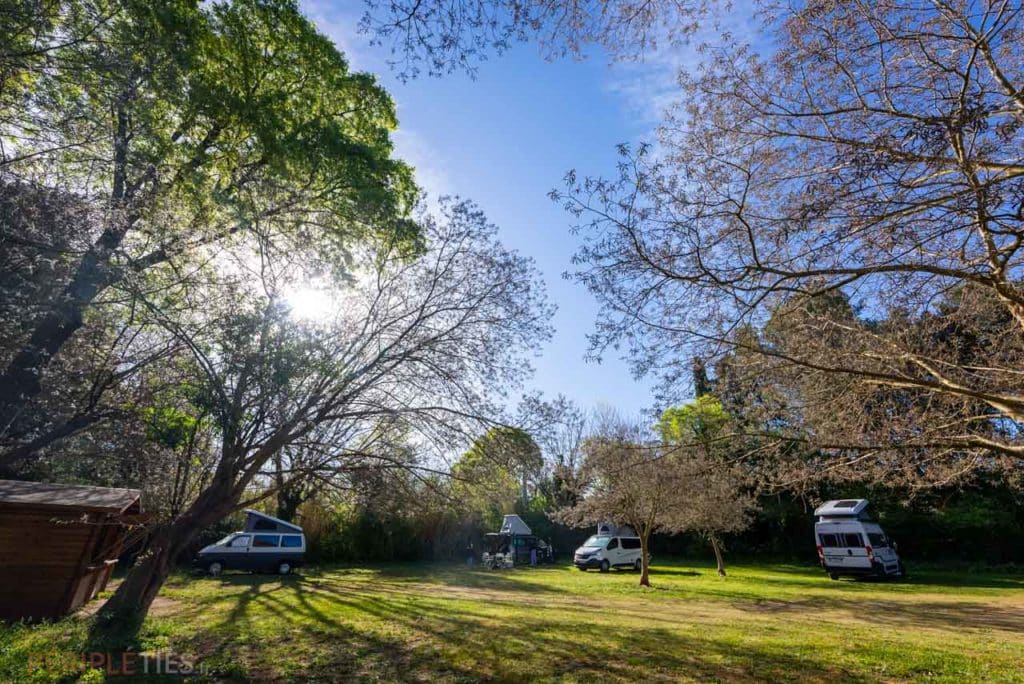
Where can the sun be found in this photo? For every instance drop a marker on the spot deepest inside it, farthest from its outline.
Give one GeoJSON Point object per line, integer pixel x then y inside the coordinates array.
{"type": "Point", "coordinates": [309, 304]}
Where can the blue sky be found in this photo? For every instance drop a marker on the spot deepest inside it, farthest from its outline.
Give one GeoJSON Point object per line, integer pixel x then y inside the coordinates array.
{"type": "Point", "coordinates": [505, 140]}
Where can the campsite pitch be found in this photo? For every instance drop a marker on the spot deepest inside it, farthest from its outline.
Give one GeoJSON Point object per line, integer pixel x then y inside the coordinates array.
{"type": "Point", "coordinates": [443, 623]}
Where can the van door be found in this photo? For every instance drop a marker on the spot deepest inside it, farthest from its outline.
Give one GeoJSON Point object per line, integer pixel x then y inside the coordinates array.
{"type": "Point", "coordinates": [856, 551]}
{"type": "Point", "coordinates": [630, 550]}
{"type": "Point", "coordinates": [263, 552]}
{"type": "Point", "coordinates": [613, 552]}
{"type": "Point", "coordinates": [831, 548]}
{"type": "Point", "coordinates": [237, 552]}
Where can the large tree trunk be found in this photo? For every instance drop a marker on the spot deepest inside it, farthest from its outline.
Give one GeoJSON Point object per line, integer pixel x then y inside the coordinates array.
{"type": "Point", "coordinates": [645, 580]}
{"type": "Point", "coordinates": [124, 612]}
{"type": "Point", "coordinates": [20, 381]}
{"type": "Point", "coordinates": [718, 554]}
{"type": "Point", "coordinates": [290, 494]}
{"type": "Point", "coordinates": [288, 502]}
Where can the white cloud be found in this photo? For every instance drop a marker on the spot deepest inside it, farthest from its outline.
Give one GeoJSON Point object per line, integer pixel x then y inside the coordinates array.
{"type": "Point", "coordinates": [431, 174]}
{"type": "Point", "coordinates": [650, 87]}
{"type": "Point", "coordinates": [340, 24]}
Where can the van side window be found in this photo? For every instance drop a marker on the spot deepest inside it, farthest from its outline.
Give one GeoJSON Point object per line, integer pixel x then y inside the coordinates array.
{"type": "Point", "coordinates": [613, 544]}
{"type": "Point", "coordinates": [240, 541]}
{"type": "Point", "coordinates": [853, 539]}
{"type": "Point", "coordinates": [877, 540]}
{"type": "Point", "coordinates": [265, 541]}
{"type": "Point", "coordinates": [829, 540]}
{"type": "Point", "coordinates": [291, 541]}
{"type": "Point", "coordinates": [630, 543]}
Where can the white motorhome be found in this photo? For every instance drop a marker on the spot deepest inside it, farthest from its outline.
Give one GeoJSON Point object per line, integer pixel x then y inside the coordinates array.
{"type": "Point", "coordinates": [611, 547]}
{"type": "Point", "coordinates": [850, 543]}
{"type": "Point", "coordinates": [266, 544]}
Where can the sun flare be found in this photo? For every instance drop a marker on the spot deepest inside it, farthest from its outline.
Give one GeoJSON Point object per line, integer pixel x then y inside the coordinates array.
{"type": "Point", "coordinates": [311, 304]}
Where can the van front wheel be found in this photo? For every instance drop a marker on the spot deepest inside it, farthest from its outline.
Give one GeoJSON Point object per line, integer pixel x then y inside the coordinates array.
{"type": "Point", "coordinates": [214, 568]}
{"type": "Point", "coordinates": [605, 565]}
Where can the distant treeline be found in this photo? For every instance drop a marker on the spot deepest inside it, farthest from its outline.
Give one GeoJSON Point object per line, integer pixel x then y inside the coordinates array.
{"type": "Point", "coordinates": [981, 524]}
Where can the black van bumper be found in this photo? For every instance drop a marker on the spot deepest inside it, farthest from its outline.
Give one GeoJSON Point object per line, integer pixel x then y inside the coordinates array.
{"type": "Point", "coordinates": [876, 570]}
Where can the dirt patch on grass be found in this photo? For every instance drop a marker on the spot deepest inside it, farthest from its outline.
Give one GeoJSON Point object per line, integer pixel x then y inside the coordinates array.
{"type": "Point", "coordinates": [770, 606]}
{"type": "Point", "coordinates": [164, 606]}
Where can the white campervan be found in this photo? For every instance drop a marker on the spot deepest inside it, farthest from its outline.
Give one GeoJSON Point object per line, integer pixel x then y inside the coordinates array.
{"type": "Point", "coordinates": [849, 543]}
{"type": "Point", "coordinates": [611, 547]}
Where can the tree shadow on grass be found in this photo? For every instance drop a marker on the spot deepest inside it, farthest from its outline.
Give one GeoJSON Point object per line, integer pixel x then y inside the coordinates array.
{"type": "Point", "coordinates": [444, 575]}
{"type": "Point", "coordinates": [801, 575]}
{"type": "Point", "coordinates": [450, 640]}
{"type": "Point", "coordinates": [414, 622]}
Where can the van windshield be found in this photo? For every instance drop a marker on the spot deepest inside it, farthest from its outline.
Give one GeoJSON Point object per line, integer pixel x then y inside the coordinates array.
{"type": "Point", "coordinates": [878, 540]}
{"type": "Point", "coordinates": [226, 539]}
{"type": "Point", "coordinates": [597, 541]}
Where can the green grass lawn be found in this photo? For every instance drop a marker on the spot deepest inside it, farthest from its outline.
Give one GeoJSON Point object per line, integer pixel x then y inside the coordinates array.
{"type": "Point", "coordinates": [444, 623]}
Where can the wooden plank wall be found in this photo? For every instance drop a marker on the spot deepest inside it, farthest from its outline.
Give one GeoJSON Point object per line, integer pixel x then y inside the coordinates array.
{"type": "Point", "coordinates": [47, 561]}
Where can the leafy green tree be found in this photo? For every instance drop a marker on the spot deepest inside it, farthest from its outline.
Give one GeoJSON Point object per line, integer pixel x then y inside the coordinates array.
{"type": "Point", "coordinates": [706, 447]}
{"type": "Point", "coordinates": [701, 421]}
{"type": "Point", "coordinates": [494, 476]}
{"type": "Point", "coordinates": [186, 127]}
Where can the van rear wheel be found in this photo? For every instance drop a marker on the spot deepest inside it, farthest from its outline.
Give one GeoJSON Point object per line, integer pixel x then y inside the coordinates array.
{"type": "Point", "coordinates": [284, 568]}
{"type": "Point", "coordinates": [833, 576]}
{"type": "Point", "coordinates": [639, 565]}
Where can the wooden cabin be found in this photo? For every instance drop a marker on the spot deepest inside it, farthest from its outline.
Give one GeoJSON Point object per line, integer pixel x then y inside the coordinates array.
{"type": "Point", "coordinates": [59, 544]}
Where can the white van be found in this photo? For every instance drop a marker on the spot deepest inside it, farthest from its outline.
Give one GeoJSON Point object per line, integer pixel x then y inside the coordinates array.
{"type": "Point", "coordinates": [610, 548]}
{"type": "Point", "coordinates": [849, 543]}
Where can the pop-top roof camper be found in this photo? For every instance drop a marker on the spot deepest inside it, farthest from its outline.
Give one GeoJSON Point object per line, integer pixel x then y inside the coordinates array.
{"type": "Point", "coordinates": [849, 543]}
{"type": "Point", "coordinates": [512, 545]}
{"type": "Point", "coordinates": [610, 529]}
{"type": "Point", "coordinates": [266, 543]}
{"type": "Point", "coordinates": [261, 522]}
{"type": "Point", "coordinates": [513, 524]}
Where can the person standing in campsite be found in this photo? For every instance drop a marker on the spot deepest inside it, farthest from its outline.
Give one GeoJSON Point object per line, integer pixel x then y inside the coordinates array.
{"type": "Point", "coordinates": [533, 556]}
{"type": "Point", "coordinates": [470, 558]}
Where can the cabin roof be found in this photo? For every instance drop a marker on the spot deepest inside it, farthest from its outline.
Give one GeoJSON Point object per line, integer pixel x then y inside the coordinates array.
{"type": "Point", "coordinates": [73, 497]}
